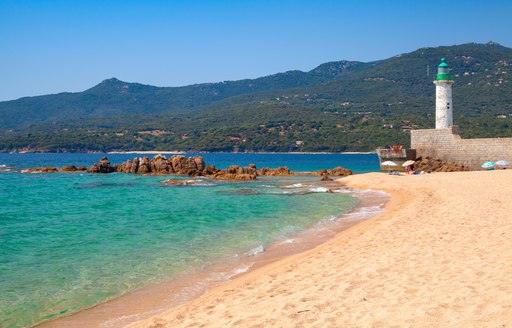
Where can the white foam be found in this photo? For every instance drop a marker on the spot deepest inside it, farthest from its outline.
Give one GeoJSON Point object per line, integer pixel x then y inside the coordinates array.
{"type": "Point", "coordinates": [238, 271]}
{"type": "Point", "coordinates": [256, 250]}
{"type": "Point", "coordinates": [291, 192]}
{"type": "Point", "coordinates": [319, 189]}
{"type": "Point", "coordinates": [342, 191]}
{"type": "Point", "coordinates": [364, 212]}
{"type": "Point", "coordinates": [295, 185]}
{"type": "Point", "coordinates": [287, 241]}
{"type": "Point", "coordinates": [3, 165]}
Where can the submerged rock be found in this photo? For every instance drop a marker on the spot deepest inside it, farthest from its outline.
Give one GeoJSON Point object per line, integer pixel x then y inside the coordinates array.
{"type": "Point", "coordinates": [179, 182]}
{"type": "Point", "coordinates": [44, 169]}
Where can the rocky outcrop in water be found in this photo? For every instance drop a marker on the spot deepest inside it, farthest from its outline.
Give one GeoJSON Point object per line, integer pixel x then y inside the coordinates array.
{"type": "Point", "coordinates": [178, 164]}
{"type": "Point", "coordinates": [72, 168]}
{"type": "Point", "coordinates": [178, 182]}
{"type": "Point", "coordinates": [280, 171]}
{"type": "Point", "coordinates": [235, 172]}
{"type": "Point", "coordinates": [337, 171]}
{"type": "Point", "coordinates": [44, 169]}
{"type": "Point", "coordinates": [103, 166]}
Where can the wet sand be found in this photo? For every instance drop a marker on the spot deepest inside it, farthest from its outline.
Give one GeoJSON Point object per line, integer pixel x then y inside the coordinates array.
{"type": "Point", "coordinates": [154, 300]}
{"type": "Point", "coordinates": [440, 255]}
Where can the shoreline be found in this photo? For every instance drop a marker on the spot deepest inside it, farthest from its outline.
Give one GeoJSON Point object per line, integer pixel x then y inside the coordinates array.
{"type": "Point", "coordinates": [438, 255]}
{"type": "Point", "coordinates": [148, 301]}
{"type": "Point", "coordinates": [181, 152]}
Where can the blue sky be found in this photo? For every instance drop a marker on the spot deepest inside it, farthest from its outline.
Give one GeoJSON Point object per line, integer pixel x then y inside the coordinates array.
{"type": "Point", "coordinates": [55, 46]}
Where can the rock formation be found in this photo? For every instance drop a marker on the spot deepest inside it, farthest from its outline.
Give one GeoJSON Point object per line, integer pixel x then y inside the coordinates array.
{"type": "Point", "coordinates": [72, 168]}
{"type": "Point", "coordinates": [337, 171]}
{"type": "Point", "coordinates": [178, 164]}
{"type": "Point", "coordinates": [280, 171]}
{"type": "Point", "coordinates": [44, 169]}
{"type": "Point", "coordinates": [235, 172]}
{"type": "Point", "coordinates": [159, 164]}
{"type": "Point", "coordinates": [429, 164]}
{"type": "Point", "coordinates": [103, 166]}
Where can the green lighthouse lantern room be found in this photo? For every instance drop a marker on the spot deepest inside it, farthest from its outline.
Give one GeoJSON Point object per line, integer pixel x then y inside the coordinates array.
{"type": "Point", "coordinates": [443, 71]}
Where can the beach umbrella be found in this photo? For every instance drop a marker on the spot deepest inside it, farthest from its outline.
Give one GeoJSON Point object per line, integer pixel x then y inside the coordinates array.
{"type": "Point", "coordinates": [407, 163]}
{"type": "Point", "coordinates": [389, 164]}
{"type": "Point", "coordinates": [502, 163]}
{"type": "Point", "coordinates": [488, 165]}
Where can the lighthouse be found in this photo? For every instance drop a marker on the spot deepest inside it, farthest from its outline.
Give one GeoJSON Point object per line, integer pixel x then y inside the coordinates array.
{"type": "Point", "coordinates": [444, 105]}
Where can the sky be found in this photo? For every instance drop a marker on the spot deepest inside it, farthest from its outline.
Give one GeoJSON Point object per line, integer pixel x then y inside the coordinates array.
{"type": "Point", "coordinates": [52, 46]}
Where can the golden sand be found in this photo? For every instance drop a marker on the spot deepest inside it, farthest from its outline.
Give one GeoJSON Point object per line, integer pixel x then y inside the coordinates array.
{"type": "Point", "coordinates": [439, 255]}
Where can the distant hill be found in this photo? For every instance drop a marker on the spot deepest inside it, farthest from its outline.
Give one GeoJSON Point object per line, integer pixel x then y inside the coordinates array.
{"type": "Point", "coordinates": [113, 97]}
{"type": "Point", "coordinates": [338, 106]}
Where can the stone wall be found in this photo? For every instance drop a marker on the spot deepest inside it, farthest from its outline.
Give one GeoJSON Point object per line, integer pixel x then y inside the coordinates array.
{"type": "Point", "coordinates": [447, 145]}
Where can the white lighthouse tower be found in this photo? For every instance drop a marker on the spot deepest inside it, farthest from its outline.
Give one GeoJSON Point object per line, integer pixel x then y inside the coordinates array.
{"type": "Point", "coordinates": [444, 105]}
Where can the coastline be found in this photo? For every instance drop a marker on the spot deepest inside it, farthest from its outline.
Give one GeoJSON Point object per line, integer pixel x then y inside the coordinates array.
{"type": "Point", "coordinates": [148, 301]}
{"type": "Point", "coordinates": [439, 255]}
{"type": "Point", "coordinates": [180, 152]}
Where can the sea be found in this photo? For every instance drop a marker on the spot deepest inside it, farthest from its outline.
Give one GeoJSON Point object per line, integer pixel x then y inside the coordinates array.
{"type": "Point", "coordinates": [70, 241]}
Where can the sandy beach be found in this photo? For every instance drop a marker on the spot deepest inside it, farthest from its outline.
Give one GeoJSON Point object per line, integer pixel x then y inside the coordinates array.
{"type": "Point", "coordinates": [440, 255]}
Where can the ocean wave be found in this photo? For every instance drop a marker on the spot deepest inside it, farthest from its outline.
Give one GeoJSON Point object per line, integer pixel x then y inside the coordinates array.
{"type": "Point", "coordinates": [370, 191]}
{"type": "Point", "coordinates": [3, 165]}
{"type": "Point", "coordinates": [295, 185]}
{"type": "Point", "coordinates": [342, 191]}
{"type": "Point", "coordinates": [287, 241]}
{"type": "Point", "coordinates": [364, 212]}
{"type": "Point", "coordinates": [200, 183]}
{"type": "Point", "coordinates": [320, 189]}
{"type": "Point", "coordinates": [255, 251]}
{"type": "Point", "coordinates": [237, 271]}
{"type": "Point", "coordinates": [242, 191]}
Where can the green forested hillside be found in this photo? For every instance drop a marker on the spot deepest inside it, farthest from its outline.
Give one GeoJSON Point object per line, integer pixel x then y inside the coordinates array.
{"type": "Point", "coordinates": [339, 106]}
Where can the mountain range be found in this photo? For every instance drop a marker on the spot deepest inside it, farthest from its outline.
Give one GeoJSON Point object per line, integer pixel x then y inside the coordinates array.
{"type": "Point", "coordinates": [338, 106]}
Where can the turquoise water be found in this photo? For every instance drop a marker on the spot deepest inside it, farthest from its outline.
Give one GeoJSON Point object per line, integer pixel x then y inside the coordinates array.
{"type": "Point", "coordinates": [69, 241]}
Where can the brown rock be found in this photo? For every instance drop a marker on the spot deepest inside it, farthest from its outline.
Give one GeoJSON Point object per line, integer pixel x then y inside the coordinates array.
{"type": "Point", "coordinates": [235, 172]}
{"type": "Point", "coordinates": [340, 171]}
{"type": "Point", "coordinates": [44, 169]}
{"type": "Point", "coordinates": [103, 166]}
{"type": "Point", "coordinates": [280, 171]}
{"type": "Point", "coordinates": [161, 165]}
{"type": "Point", "coordinates": [69, 168]}
{"type": "Point", "coordinates": [429, 164]}
{"type": "Point", "coordinates": [337, 171]}
{"type": "Point", "coordinates": [178, 182]}
{"type": "Point", "coordinates": [325, 178]}
{"type": "Point", "coordinates": [210, 170]}
{"type": "Point", "coordinates": [144, 166]}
